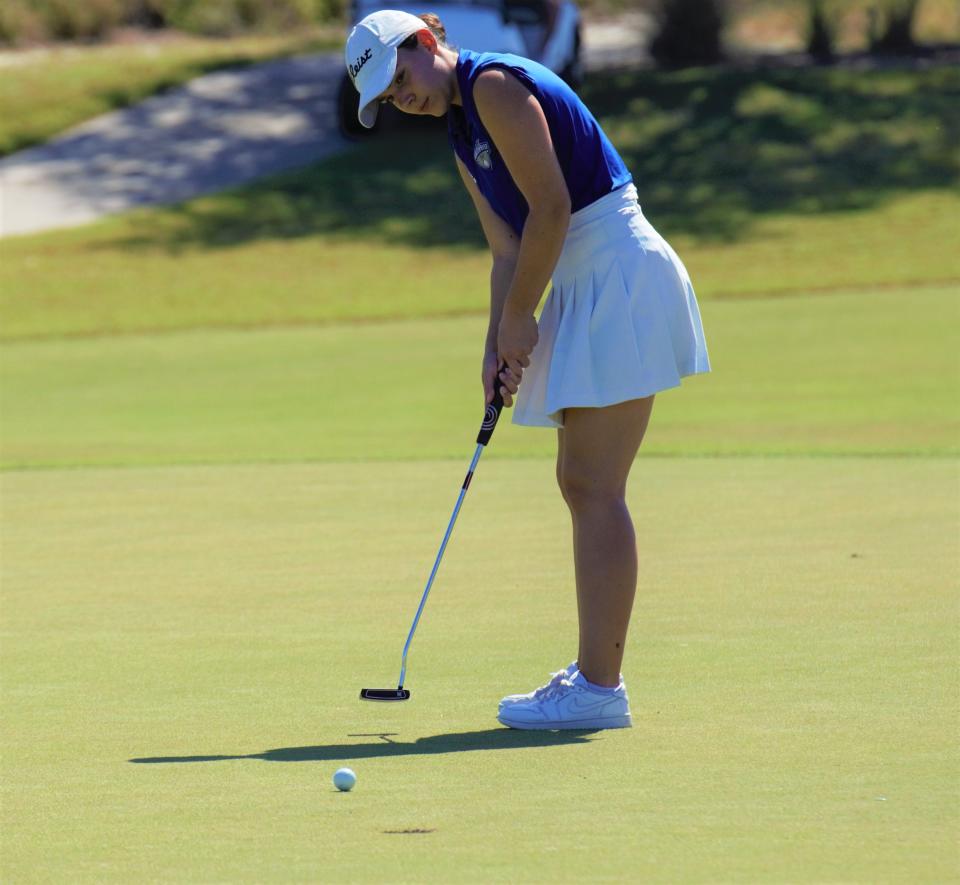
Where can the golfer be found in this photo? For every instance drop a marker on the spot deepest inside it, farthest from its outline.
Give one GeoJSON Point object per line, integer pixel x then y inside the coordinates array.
{"type": "Point", "coordinates": [621, 322]}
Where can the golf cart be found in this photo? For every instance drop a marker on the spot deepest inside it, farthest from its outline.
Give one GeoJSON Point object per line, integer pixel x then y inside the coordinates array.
{"type": "Point", "coordinates": [547, 31]}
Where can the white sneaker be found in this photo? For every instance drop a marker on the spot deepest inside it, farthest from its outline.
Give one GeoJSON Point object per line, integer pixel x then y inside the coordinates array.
{"type": "Point", "coordinates": [569, 703]}
{"type": "Point", "coordinates": [530, 695]}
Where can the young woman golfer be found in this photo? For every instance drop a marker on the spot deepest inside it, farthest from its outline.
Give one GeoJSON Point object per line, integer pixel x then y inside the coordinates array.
{"type": "Point", "coordinates": [620, 324]}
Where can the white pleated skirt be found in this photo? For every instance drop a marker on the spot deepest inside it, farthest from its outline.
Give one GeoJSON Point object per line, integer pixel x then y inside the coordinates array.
{"type": "Point", "coordinates": [621, 321]}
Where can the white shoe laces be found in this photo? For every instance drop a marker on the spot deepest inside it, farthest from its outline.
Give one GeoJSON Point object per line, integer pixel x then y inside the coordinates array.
{"type": "Point", "coordinates": [558, 681]}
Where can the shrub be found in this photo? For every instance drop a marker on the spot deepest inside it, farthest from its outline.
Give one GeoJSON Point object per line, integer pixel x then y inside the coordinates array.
{"type": "Point", "coordinates": [35, 20]}
{"type": "Point", "coordinates": [222, 17]}
{"type": "Point", "coordinates": [20, 23]}
{"type": "Point", "coordinates": [69, 20]}
{"type": "Point", "coordinates": [145, 13]}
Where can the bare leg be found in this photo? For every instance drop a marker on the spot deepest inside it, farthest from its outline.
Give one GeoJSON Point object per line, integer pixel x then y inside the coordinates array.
{"type": "Point", "coordinates": [573, 517]}
{"type": "Point", "coordinates": [596, 452]}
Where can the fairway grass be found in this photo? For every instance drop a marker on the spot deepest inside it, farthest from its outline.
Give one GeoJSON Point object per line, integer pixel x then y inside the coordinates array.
{"type": "Point", "coordinates": [874, 372]}
{"type": "Point", "coordinates": [183, 647]}
{"type": "Point", "coordinates": [122, 276]}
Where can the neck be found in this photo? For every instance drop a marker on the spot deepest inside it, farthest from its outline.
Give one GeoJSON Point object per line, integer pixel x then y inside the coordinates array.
{"type": "Point", "coordinates": [451, 57]}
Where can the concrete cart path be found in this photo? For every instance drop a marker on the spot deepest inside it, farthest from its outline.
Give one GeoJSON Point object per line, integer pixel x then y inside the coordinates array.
{"type": "Point", "coordinates": [218, 131]}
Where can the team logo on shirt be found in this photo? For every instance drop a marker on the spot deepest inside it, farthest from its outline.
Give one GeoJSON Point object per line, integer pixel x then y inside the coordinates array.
{"type": "Point", "coordinates": [482, 154]}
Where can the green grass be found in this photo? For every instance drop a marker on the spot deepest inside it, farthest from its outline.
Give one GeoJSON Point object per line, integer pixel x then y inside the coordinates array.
{"type": "Point", "coordinates": [768, 182]}
{"type": "Point", "coordinates": [97, 281]}
{"type": "Point", "coordinates": [870, 373]}
{"type": "Point", "coordinates": [183, 648]}
{"type": "Point", "coordinates": [43, 95]}
{"type": "Point", "coordinates": [226, 473]}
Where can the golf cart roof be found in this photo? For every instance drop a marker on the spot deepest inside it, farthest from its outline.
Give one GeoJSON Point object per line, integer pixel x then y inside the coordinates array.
{"type": "Point", "coordinates": [474, 24]}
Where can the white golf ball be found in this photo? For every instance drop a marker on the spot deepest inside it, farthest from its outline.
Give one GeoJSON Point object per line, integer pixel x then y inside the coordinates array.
{"type": "Point", "coordinates": [344, 779]}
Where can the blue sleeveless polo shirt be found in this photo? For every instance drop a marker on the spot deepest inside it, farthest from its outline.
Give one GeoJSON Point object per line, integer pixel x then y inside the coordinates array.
{"type": "Point", "coordinates": [590, 164]}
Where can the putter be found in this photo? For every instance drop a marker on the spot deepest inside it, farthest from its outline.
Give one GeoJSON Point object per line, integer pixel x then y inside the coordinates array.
{"type": "Point", "coordinates": [490, 418]}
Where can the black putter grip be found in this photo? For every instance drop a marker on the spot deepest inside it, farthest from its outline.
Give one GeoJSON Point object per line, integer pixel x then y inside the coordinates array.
{"type": "Point", "coordinates": [492, 415]}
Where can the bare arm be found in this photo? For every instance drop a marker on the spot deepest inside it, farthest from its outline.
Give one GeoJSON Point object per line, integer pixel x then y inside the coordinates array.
{"type": "Point", "coordinates": [518, 126]}
{"type": "Point", "coordinates": [504, 246]}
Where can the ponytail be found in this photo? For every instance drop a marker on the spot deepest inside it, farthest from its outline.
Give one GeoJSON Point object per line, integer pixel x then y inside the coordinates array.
{"type": "Point", "coordinates": [433, 23]}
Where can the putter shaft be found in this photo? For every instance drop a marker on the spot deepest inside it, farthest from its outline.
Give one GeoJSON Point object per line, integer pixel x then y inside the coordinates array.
{"type": "Point", "coordinates": [490, 418]}
{"type": "Point", "coordinates": [436, 565]}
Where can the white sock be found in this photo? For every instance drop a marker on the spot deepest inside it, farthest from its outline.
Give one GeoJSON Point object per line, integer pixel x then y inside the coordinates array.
{"type": "Point", "coordinates": [601, 689]}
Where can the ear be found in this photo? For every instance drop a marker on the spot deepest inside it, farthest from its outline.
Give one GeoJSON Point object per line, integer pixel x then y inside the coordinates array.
{"type": "Point", "coordinates": [426, 39]}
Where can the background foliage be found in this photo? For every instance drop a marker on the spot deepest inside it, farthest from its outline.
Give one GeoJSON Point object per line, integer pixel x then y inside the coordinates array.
{"type": "Point", "coordinates": [687, 28]}
{"type": "Point", "coordinates": [34, 20]}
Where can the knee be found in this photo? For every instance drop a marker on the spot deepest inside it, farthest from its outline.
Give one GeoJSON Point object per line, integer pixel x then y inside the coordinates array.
{"type": "Point", "coordinates": [584, 492]}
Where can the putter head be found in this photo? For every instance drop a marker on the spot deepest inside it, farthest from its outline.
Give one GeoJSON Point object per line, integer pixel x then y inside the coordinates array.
{"type": "Point", "coordinates": [384, 694]}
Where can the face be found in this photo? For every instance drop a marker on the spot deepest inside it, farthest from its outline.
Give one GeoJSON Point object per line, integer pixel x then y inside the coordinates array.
{"type": "Point", "coordinates": [421, 83]}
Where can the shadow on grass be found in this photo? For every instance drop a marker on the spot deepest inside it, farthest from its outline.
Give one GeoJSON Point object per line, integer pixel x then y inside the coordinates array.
{"type": "Point", "coordinates": [714, 149]}
{"type": "Point", "coordinates": [488, 739]}
{"type": "Point", "coordinates": [711, 149]}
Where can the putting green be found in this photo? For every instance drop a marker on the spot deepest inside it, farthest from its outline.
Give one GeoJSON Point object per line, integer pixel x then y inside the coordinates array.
{"type": "Point", "coordinates": [183, 648]}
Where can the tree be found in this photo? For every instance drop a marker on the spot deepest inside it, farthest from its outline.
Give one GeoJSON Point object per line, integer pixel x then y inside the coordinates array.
{"type": "Point", "coordinates": [896, 33]}
{"type": "Point", "coordinates": [820, 35]}
{"type": "Point", "coordinates": [689, 32]}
